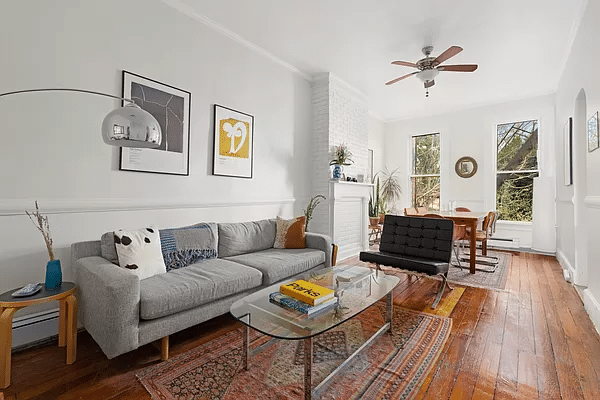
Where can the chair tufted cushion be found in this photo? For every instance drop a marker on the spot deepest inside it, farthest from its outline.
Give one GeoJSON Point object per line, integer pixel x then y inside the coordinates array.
{"type": "Point", "coordinates": [424, 238]}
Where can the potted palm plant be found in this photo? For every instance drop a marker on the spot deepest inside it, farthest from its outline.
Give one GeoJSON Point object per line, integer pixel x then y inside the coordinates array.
{"type": "Point", "coordinates": [390, 191]}
{"type": "Point", "coordinates": [341, 156]}
{"type": "Point", "coordinates": [374, 204]}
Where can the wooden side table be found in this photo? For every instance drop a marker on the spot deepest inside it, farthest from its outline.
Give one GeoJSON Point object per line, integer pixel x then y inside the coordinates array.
{"type": "Point", "coordinates": [67, 325]}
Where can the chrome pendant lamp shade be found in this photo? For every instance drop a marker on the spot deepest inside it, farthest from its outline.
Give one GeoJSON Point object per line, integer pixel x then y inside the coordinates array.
{"type": "Point", "coordinates": [127, 126]}
{"type": "Point", "coordinates": [130, 126]}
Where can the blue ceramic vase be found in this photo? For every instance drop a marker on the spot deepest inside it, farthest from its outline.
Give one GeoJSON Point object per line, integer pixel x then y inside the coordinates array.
{"type": "Point", "coordinates": [338, 170]}
{"type": "Point", "coordinates": [53, 275]}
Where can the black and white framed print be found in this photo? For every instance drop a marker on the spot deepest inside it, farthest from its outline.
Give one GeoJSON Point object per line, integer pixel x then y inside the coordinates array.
{"type": "Point", "coordinates": [171, 108]}
{"type": "Point", "coordinates": [233, 143]}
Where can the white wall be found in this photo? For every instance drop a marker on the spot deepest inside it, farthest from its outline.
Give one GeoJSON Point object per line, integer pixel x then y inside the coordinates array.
{"type": "Point", "coordinates": [578, 206]}
{"type": "Point", "coordinates": [472, 133]}
{"type": "Point", "coordinates": [376, 141]}
{"type": "Point", "coordinates": [51, 145]}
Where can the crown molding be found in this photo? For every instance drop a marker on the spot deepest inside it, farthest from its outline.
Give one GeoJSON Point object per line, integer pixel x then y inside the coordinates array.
{"type": "Point", "coordinates": [190, 12]}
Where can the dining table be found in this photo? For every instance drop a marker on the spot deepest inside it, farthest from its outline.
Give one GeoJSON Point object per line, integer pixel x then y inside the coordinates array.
{"type": "Point", "coordinates": [471, 219]}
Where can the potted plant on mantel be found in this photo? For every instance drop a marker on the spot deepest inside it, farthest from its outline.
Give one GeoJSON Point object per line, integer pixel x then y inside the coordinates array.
{"type": "Point", "coordinates": [341, 156]}
{"type": "Point", "coordinates": [374, 204]}
{"type": "Point", "coordinates": [390, 191]}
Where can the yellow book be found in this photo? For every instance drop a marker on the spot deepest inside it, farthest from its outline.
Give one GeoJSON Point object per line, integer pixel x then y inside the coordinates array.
{"type": "Point", "coordinates": [307, 292]}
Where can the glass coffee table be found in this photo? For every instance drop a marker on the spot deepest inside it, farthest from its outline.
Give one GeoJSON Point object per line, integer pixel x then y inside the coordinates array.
{"type": "Point", "coordinates": [357, 288]}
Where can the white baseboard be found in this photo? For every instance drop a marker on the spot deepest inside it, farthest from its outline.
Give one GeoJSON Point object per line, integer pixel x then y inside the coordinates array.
{"type": "Point", "coordinates": [592, 306]}
{"type": "Point", "coordinates": [563, 261]}
{"type": "Point", "coordinates": [34, 328]}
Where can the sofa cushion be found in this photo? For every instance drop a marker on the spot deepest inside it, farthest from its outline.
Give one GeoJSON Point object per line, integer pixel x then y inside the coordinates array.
{"type": "Point", "coordinates": [107, 247]}
{"type": "Point", "coordinates": [188, 245]}
{"type": "Point", "coordinates": [278, 264]}
{"type": "Point", "coordinates": [246, 237]}
{"type": "Point", "coordinates": [197, 284]}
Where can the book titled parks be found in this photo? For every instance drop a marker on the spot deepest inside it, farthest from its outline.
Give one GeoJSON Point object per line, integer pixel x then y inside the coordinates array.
{"type": "Point", "coordinates": [307, 292]}
{"type": "Point", "coordinates": [290, 302]}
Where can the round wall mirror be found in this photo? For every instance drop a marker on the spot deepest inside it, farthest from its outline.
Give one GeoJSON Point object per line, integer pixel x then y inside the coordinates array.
{"type": "Point", "coordinates": [466, 167]}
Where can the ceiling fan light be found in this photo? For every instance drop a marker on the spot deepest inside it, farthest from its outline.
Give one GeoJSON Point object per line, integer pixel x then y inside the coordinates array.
{"type": "Point", "coordinates": [427, 74]}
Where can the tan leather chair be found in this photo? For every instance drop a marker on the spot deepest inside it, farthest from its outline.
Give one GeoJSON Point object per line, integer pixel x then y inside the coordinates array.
{"type": "Point", "coordinates": [410, 211]}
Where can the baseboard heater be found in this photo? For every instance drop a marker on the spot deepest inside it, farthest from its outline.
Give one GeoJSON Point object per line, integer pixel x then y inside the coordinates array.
{"type": "Point", "coordinates": [33, 329]}
{"type": "Point", "coordinates": [505, 242]}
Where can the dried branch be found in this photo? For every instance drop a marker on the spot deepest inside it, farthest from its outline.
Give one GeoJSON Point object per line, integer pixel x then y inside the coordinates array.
{"type": "Point", "coordinates": [41, 223]}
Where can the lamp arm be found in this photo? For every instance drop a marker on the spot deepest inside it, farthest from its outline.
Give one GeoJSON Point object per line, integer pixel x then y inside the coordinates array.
{"type": "Point", "coordinates": [68, 90]}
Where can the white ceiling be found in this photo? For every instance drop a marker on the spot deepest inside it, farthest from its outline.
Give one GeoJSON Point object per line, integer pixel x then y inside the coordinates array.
{"type": "Point", "coordinates": [520, 45]}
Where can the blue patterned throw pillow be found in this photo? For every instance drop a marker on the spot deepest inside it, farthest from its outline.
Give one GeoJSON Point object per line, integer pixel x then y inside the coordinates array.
{"type": "Point", "coordinates": [188, 245]}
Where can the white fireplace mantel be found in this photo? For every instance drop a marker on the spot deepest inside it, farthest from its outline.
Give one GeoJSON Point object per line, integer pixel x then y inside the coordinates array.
{"type": "Point", "coordinates": [349, 221]}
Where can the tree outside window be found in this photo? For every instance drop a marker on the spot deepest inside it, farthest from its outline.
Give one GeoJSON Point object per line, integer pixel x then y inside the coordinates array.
{"type": "Point", "coordinates": [425, 178]}
{"type": "Point", "coordinates": [516, 167]}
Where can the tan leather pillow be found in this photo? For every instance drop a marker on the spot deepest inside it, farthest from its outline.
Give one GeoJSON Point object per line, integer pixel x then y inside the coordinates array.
{"type": "Point", "coordinates": [290, 233]}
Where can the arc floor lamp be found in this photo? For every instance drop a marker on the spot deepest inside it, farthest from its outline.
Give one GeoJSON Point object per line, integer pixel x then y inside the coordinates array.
{"type": "Point", "coordinates": [127, 126]}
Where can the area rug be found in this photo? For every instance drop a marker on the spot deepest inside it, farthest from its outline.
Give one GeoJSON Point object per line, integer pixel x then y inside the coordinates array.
{"type": "Point", "coordinates": [486, 280]}
{"type": "Point", "coordinates": [392, 367]}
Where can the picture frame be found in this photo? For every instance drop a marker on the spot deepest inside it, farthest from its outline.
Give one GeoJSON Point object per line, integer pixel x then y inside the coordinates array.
{"type": "Point", "coordinates": [568, 151]}
{"type": "Point", "coordinates": [592, 132]}
{"type": "Point", "coordinates": [233, 149]}
{"type": "Point", "coordinates": [171, 107]}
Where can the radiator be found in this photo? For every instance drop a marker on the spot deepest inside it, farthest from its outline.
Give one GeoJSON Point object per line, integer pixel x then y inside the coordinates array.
{"type": "Point", "coordinates": [32, 329]}
{"type": "Point", "coordinates": [510, 243]}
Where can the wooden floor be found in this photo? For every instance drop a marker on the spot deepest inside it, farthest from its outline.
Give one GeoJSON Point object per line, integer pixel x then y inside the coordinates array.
{"type": "Point", "coordinates": [531, 341]}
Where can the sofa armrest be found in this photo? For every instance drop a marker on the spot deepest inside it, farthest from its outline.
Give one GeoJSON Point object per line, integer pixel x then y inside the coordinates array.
{"type": "Point", "coordinates": [109, 301]}
{"type": "Point", "coordinates": [320, 242]}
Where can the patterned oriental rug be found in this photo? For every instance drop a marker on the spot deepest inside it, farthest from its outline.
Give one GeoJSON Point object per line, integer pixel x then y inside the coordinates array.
{"type": "Point", "coordinates": [392, 367]}
{"type": "Point", "coordinates": [486, 280]}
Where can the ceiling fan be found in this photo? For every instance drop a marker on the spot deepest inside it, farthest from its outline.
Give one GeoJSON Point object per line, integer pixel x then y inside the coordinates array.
{"type": "Point", "coordinates": [429, 67]}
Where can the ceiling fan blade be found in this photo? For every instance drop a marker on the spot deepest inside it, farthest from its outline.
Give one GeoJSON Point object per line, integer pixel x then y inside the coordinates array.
{"type": "Point", "coordinates": [429, 84]}
{"type": "Point", "coordinates": [458, 68]}
{"type": "Point", "coordinates": [451, 52]}
{"type": "Point", "coordinates": [405, 63]}
{"type": "Point", "coordinates": [402, 77]}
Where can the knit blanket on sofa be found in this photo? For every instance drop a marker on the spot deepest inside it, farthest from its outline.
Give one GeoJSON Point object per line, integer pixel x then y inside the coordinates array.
{"type": "Point", "coordinates": [188, 245]}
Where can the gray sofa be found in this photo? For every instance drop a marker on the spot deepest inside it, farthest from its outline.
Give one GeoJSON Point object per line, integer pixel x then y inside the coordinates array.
{"type": "Point", "coordinates": [123, 313]}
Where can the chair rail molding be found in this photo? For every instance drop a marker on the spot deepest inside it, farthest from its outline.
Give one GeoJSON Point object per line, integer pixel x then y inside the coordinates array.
{"type": "Point", "coordinates": [592, 201]}
{"type": "Point", "coordinates": [60, 206]}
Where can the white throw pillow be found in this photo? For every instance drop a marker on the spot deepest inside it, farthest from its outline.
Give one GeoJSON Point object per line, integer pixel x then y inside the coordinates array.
{"type": "Point", "coordinates": [139, 252]}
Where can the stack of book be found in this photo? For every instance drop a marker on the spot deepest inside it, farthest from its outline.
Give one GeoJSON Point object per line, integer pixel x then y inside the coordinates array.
{"type": "Point", "coordinates": [304, 296]}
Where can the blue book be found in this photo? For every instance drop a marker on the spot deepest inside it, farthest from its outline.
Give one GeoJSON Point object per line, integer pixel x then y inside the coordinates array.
{"type": "Point", "coordinates": [287, 301]}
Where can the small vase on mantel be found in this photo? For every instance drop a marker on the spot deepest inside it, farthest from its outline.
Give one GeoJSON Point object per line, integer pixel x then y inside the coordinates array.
{"type": "Point", "coordinates": [338, 171]}
{"type": "Point", "coordinates": [53, 275]}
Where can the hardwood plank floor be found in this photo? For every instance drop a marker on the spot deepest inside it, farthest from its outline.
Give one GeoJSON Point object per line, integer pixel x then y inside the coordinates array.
{"type": "Point", "coordinates": [533, 340]}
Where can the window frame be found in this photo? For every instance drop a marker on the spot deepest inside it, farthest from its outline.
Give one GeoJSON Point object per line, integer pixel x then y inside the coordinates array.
{"type": "Point", "coordinates": [412, 165]}
{"type": "Point", "coordinates": [528, 171]}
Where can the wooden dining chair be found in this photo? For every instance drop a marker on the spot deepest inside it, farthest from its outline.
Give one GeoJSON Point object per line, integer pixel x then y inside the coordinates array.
{"type": "Point", "coordinates": [410, 211]}
{"type": "Point", "coordinates": [459, 234]}
{"type": "Point", "coordinates": [482, 236]}
{"type": "Point", "coordinates": [462, 209]}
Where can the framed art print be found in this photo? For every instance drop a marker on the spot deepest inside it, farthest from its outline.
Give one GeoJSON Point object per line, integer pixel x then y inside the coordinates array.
{"type": "Point", "coordinates": [592, 132]}
{"type": "Point", "coordinates": [568, 151]}
{"type": "Point", "coordinates": [171, 108]}
{"type": "Point", "coordinates": [233, 143]}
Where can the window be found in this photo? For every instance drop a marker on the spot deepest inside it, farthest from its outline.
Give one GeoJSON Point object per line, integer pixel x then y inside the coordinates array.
{"type": "Point", "coordinates": [425, 176]}
{"type": "Point", "coordinates": [516, 167]}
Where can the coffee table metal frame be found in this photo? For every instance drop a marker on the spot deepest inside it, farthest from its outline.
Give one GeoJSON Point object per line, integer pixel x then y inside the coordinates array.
{"type": "Point", "coordinates": [308, 341]}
